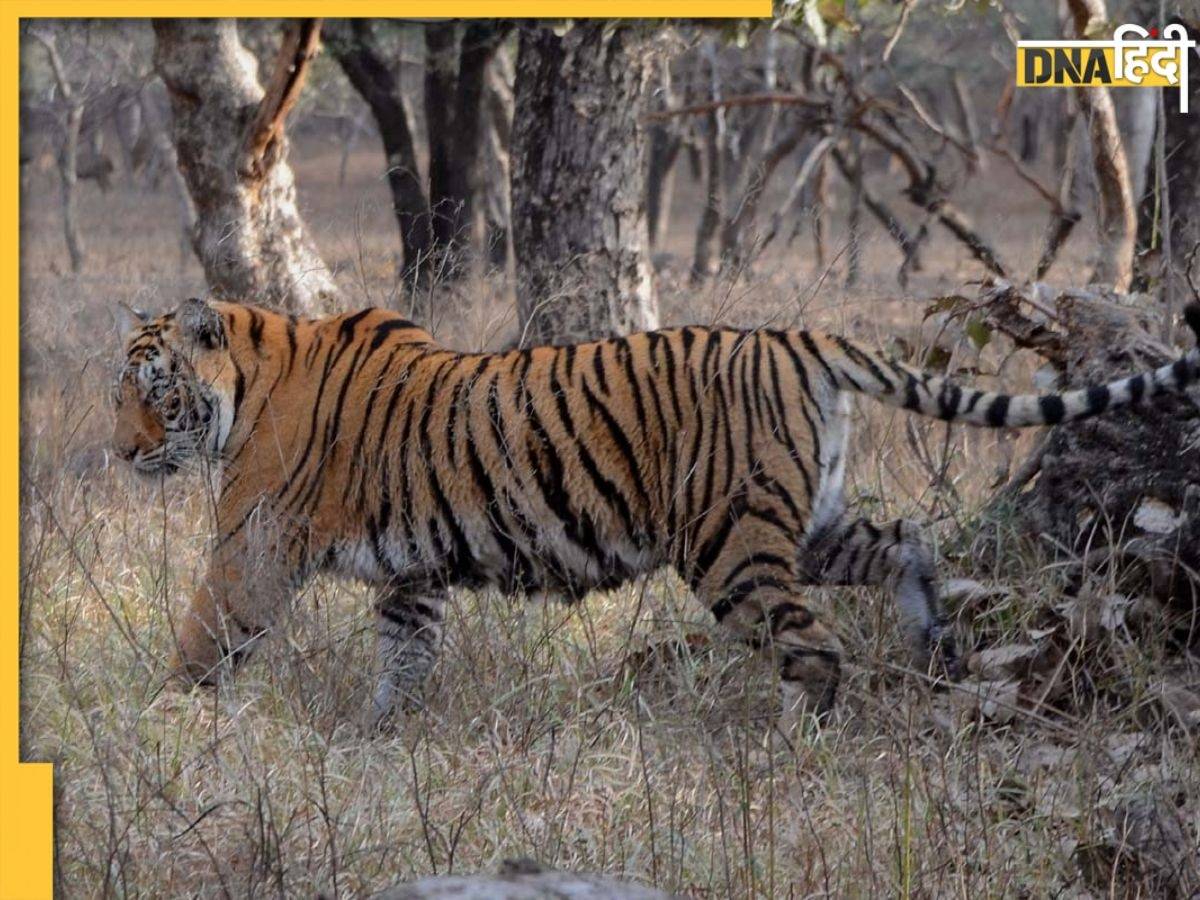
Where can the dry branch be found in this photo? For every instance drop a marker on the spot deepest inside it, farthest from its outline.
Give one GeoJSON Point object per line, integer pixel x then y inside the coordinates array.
{"type": "Point", "coordinates": [923, 189]}
{"type": "Point", "coordinates": [909, 244]}
{"type": "Point", "coordinates": [261, 143]}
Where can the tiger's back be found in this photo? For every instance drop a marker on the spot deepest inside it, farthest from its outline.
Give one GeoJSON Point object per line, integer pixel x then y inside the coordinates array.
{"type": "Point", "coordinates": [549, 469]}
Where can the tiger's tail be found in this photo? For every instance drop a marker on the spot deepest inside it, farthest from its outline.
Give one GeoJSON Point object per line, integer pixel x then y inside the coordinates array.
{"type": "Point", "coordinates": [895, 384]}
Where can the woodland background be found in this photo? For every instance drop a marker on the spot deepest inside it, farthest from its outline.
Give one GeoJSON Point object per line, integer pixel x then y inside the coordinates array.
{"type": "Point", "coordinates": [866, 167]}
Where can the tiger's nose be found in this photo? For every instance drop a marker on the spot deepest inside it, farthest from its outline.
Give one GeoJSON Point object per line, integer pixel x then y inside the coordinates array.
{"type": "Point", "coordinates": [127, 451]}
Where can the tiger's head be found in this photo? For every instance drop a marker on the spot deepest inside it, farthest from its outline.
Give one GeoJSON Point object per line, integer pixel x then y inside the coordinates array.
{"type": "Point", "coordinates": [173, 397]}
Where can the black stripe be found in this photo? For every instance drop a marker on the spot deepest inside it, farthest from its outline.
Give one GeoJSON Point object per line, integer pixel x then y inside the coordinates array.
{"type": "Point", "coordinates": [777, 617]}
{"type": "Point", "coordinates": [598, 366]}
{"type": "Point", "coordinates": [997, 414]}
{"type": "Point", "coordinates": [760, 558]}
{"type": "Point", "coordinates": [948, 400]}
{"type": "Point", "coordinates": [256, 328]}
{"type": "Point", "coordinates": [1098, 397]}
{"type": "Point", "coordinates": [1182, 371]}
{"type": "Point", "coordinates": [1137, 389]}
{"type": "Point", "coordinates": [291, 339]}
{"type": "Point", "coordinates": [811, 346]}
{"type": "Point", "coordinates": [742, 591]}
{"type": "Point", "coordinates": [387, 327]}
{"type": "Point", "coordinates": [857, 356]}
{"type": "Point", "coordinates": [1053, 408]}
{"type": "Point", "coordinates": [346, 329]}
{"type": "Point", "coordinates": [912, 396]}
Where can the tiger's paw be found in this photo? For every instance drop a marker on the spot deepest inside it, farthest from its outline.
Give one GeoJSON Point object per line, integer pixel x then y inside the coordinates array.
{"type": "Point", "coordinates": [938, 656]}
{"type": "Point", "coordinates": [391, 707]}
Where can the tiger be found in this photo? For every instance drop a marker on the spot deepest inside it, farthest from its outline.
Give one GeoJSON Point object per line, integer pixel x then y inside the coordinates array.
{"type": "Point", "coordinates": [357, 445]}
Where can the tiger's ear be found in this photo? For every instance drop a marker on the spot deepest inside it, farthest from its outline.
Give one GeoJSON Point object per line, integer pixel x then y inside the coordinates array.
{"type": "Point", "coordinates": [126, 318]}
{"type": "Point", "coordinates": [200, 321]}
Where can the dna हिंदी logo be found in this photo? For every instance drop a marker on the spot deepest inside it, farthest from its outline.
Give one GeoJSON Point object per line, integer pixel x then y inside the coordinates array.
{"type": "Point", "coordinates": [1134, 57]}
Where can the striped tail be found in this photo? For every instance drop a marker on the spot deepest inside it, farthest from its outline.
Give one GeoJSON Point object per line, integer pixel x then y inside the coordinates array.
{"type": "Point", "coordinates": [895, 384]}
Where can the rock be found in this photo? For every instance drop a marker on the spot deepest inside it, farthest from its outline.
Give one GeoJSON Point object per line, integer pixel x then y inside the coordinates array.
{"type": "Point", "coordinates": [1004, 661]}
{"type": "Point", "coordinates": [1044, 755]}
{"type": "Point", "coordinates": [968, 591]}
{"type": "Point", "coordinates": [1179, 701]}
{"type": "Point", "coordinates": [1157, 517]}
{"type": "Point", "coordinates": [1145, 851]}
{"type": "Point", "coordinates": [522, 879]}
{"type": "Point", "coordinates": [994, 701]}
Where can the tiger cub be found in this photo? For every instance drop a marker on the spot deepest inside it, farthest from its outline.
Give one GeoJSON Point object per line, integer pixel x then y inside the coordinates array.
{"type": "Point", "coordinates": [356, 444]}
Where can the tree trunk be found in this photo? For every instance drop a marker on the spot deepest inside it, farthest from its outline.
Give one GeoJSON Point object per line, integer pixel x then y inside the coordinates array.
{"type": "Point", "coordinates": [1181, 167]}
{"type": "Point", "coordinates": [713, 158]}
{"type": "Point", "coordinates": [664, 145]}
{"type": "Point", "coordinates": [232, 152]}
{"type": "Point", "coordinates": [465, 138]}
{"type": "Point", "coordinates": [578, 171]}
{"type": "Point", "coordinates": [1140, 119]}
{"type": "Point", "coordinates": [68, 176]}
{"type": "Point", "coordinates": [353, 44]}
{"type": "Point", "coordinates": [441, 74]}
{"type": "Point", "coordinates": [1123, 488]}
{"type": "Point", "coordinates": [1118, 221]}
{"type": "Point", "coordinates": [67, 153]}
{"type": "Point", "coordinates": [495, 165]}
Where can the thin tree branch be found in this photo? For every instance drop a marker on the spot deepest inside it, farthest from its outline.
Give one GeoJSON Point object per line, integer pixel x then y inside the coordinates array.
{"type": "Point", "coordinates": [261, 143]}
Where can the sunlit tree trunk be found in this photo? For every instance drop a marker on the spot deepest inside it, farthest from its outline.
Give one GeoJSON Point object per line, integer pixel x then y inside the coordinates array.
{"type": "Point", "coordinates": [1117, 220]}
{"type": "Point", "coordinates": [232, 150]}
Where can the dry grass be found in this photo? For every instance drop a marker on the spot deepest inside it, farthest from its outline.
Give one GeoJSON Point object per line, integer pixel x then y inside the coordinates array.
{"type": "Point", "coordinates": [539, 738]}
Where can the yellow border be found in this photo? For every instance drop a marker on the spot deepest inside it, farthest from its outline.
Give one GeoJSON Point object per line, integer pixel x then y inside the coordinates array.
{"type": "Point", "coordinates": [26, 789]}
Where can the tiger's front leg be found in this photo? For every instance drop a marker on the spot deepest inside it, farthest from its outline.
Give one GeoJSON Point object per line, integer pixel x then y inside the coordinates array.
{"type": "Point", "coordinates": [408, 638]}
{"type": "Point", "coordinates": [249, 579]}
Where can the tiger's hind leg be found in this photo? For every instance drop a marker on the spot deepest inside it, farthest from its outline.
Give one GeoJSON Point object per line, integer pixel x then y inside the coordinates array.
{"type": "Point", "coordinates": [752, 589]}
{"type": "Point", "coordinates": [408, 638]}
{"type": "Point", "coordinates": [894, 554]}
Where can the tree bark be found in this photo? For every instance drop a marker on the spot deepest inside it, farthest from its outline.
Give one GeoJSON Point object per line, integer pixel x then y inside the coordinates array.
{"type": "Point", "coordinates": [353, 44]}
{"type": "Point", "coordinates": [969, 125]}
{"type": "Point", "coordinates": [454, 199]}
{"type": "Point", "coordinates": [1181, 165]}
{"type": "Point", "coordinates": [712, 165]}
{"type": "Point", "coordinates": [441, 74]}
{"type": "Point", "coordinates": [495, 164]}
{"type": "Point", "coordinates": [578, 172]}
{"type": "Point", "coordinates": [664, 146]}
{"type": "Point", "coordinates": [248, 233]}
{"type": "Point", "coordinates": [1118, 221]}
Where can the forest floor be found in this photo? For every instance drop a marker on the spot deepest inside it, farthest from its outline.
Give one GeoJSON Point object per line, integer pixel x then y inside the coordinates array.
{"type": "Point", "coordinates": [1066, 765]}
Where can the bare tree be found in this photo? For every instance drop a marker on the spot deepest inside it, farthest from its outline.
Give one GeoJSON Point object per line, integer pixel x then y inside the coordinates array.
{"type": "Point", "coordinates": [434, 214]}
{"type": "Point", "coordinates": [67, 155]}
{"type": "Point", "coordinates": [665, 142]}
{"type": "Point", "coordinates": [1178, 161]}
{"type": "Point", "coordinates": [232, 147]}
{"type": "Point", "coordinates": [578, 163]}
{"type": "Point", "coordinates": [357, 47]}
{"type": "Point", "coordinates": [456, 62]}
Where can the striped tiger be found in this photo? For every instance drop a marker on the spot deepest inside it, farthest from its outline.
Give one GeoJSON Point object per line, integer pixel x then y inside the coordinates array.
{"type": "Point", "coordinates": [355, 444]}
